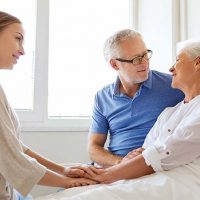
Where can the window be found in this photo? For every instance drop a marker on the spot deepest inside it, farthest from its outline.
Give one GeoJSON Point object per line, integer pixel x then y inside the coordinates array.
{"type": "Point", "coordinates": [54, 84]}
{"type": "Point", "coordinates": [77, 31]}
{"type": "Point", "coordinates": [157, 32]}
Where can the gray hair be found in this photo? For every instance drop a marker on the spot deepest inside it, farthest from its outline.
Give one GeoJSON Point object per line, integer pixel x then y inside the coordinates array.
{"type": "Point", "coordinates": [111, 45]}
{"type": "Point", "coordinates": [192, 49]}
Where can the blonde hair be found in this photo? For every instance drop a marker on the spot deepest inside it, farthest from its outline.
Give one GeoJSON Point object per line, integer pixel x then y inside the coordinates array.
{"type": "Point", "coordinates": [6, 20]}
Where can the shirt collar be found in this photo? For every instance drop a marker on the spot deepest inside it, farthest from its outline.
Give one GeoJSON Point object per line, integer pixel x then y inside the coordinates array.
{"type": "Point", "coordinates": [148, 83]}
{"type": "Point", "coordinates": [116, 87]}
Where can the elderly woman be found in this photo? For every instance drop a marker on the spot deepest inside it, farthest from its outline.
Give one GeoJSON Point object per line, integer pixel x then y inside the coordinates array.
{"type": "Point", "coordinates": [172, 147]}
{"type": "Point", "coordinates": [20, 167]}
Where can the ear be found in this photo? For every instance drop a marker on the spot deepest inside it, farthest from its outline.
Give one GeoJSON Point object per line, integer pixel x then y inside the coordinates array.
{"type": "Point", "coordinates": [113, 64]}
{"type": "Point", "coordinates": [197, 64]}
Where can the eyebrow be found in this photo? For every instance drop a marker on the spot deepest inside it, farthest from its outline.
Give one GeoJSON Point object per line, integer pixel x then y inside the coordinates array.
{"type": "Point", "coordinates": [20, 35]}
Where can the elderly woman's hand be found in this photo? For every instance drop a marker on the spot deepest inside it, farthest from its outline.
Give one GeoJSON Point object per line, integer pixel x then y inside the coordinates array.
{"type": "Point", "coordinates": [76, 182]}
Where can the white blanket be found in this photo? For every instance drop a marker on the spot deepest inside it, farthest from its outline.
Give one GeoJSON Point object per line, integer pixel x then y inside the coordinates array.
{"type": "Point", "coordinates": [180, 183]}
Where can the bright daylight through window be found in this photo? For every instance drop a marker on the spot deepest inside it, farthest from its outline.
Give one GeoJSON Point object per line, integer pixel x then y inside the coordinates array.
{"type": "Point", "coordinates": [77, 68]}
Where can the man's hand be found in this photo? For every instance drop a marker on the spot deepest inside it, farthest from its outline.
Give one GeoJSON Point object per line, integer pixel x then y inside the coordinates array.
{"type": "Point", "coordinates": [133, 154]}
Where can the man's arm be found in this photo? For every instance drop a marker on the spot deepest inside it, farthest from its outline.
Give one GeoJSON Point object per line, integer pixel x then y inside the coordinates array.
{"type": "Point", "coordinates": [98, 153]}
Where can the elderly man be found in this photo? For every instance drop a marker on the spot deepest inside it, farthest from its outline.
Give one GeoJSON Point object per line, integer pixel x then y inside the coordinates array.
{"type": "Point", "coordinates": [128, 108]}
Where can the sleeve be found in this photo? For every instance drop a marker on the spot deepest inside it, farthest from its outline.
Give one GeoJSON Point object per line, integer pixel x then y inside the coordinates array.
{"type": "Point", "coordinates": [24, 147]}
{"type": "Point", "coordinates": [181, 147]}
{"type": "Point", "coordinates": [21, 171]}
{"type": "Point", "coordinates": [99, 123]}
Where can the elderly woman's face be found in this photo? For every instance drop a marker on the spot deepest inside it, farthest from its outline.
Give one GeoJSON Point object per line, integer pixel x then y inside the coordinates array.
{"type": "Point", "coordinates": [11, 45]}
{"type": "Point", "coordinates": [182, 71]}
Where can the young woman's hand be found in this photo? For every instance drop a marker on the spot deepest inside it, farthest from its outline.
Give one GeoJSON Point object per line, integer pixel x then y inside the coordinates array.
{"type": "Point", "coordinates": [76, 182]}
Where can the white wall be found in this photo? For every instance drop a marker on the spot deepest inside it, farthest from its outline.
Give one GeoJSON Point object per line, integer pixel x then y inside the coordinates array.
{"type": "Point", "coordinates": [62, 147]}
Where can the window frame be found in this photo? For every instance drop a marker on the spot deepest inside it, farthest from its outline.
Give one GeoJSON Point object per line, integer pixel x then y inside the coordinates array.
{"type": "Point", "coordinates": [40, 73]}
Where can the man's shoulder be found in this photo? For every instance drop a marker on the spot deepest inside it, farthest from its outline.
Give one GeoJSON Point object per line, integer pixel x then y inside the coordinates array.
{"type": "Point", "coordinates": [161, 83]}
{"type": "Point", "coordinates": [106, 89]}
{"type": "Point", "coordinates": [161, 80]}
{"type": "Point", "coordinates": [161, 76]}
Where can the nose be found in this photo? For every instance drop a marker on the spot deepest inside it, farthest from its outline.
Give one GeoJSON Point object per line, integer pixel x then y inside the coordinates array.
{"type": "Point", "coordinates": [21, 51]}
{"type": "Point", "coordinates": [171, 69]}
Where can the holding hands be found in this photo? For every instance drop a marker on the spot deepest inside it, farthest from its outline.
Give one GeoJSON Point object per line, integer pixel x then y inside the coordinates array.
{"type": "Point", "coordinates": [93, 175]}
{"type": "Point", "coordinates": [86, 172]}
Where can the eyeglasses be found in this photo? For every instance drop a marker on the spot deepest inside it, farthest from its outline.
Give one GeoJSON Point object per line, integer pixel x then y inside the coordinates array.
{"type": "Point", "coordinates": [138, 59]}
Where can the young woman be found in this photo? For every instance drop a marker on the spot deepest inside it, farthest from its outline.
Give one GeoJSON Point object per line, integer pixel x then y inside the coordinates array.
{"type": "Point", "coordinates": [20, 167]}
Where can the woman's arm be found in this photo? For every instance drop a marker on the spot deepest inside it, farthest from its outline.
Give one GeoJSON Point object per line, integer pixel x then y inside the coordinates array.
{"type": "Point", "coordinates": [133, 168]}
{"type": "Point", "coordinates": [71, 172]}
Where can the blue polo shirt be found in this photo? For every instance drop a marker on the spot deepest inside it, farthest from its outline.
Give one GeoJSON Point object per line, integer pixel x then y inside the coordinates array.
{"type": "Point", "coordinates": [128, 120]}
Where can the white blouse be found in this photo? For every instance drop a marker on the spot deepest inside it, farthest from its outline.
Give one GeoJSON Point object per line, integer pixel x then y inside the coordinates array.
{"type": "Point", "coordinates": [174, 140]}
{"type": "Point", "coordinates": [17, 170]}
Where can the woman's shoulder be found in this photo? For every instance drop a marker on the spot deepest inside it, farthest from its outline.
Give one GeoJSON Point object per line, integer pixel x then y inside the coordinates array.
{"type": "Point", "coordinates": [170, 110]}
{"type": "Point", "coordinates": [2, 94]}
{"type": "Point", "coordinates": [4, 105]}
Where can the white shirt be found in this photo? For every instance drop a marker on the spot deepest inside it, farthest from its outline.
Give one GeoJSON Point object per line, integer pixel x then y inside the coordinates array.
{"type": "Point", "coordinates": [174, 140]}
{"type": "Point", "coordinates": [17, 170]}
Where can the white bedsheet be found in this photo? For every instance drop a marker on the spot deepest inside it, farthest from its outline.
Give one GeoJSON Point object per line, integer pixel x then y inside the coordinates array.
{"type": "Point", "coordinates": [182, 183]}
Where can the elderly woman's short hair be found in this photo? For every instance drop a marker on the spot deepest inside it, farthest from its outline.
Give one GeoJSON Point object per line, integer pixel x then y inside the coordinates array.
{"type": "Point", "coordinates": [192, 49]}
{"type": "Point", "coordinates": [111, 45]}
